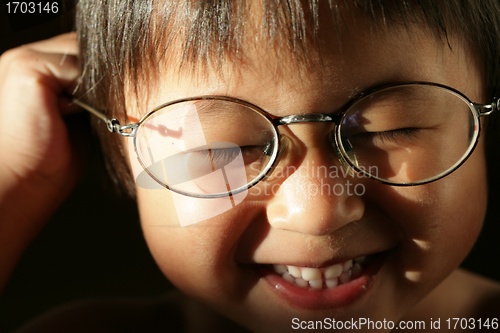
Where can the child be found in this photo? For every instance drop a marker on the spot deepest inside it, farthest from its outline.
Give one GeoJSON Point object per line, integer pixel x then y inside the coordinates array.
{"type": "Point", "coordinates": [323, 159]}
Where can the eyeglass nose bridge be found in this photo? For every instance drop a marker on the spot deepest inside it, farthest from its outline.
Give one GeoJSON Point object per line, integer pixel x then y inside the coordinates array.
{"type": "Point", "coordinates": [307, 118]}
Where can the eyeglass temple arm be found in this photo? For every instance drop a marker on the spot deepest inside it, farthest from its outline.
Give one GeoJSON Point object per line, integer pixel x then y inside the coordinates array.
{"type": "Point", "coordinates": [113, 124]}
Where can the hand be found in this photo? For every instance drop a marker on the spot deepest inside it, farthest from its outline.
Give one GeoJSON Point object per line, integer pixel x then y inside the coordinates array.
{"type": "Point", "coordinates": [39, 160]}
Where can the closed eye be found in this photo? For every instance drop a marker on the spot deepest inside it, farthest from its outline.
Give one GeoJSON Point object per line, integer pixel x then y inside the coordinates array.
{"type": "Point", "coordinates": [384, 139]}
{"type": "Point", "coordinates": [224, 156]}
{"type": "Point", "coordinates": [396, 135]}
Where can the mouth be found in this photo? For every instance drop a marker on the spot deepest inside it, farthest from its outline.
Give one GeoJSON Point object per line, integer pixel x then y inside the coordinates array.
{"type": "Point", "coordinates": [323, 278]}
{"type": "Point", "coordinates": [335, 285]}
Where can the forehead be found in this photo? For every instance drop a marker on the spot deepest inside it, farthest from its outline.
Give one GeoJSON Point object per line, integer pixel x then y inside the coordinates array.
{"type": "Point", "coordinates": [342, 53]}
{"type": "Point", "coordinates": [197, 33]}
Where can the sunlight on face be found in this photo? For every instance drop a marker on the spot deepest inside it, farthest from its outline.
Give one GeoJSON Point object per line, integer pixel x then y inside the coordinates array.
{"type": "Point", "coordinates": [403, 241]}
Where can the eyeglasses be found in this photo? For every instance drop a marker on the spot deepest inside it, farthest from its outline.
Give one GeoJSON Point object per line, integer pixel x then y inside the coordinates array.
{"type": "Point", "coordinates": [215, 146]}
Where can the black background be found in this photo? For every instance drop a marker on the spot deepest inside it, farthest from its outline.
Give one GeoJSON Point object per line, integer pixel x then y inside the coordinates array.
{"type": "Point", "coordinates": [93, 246]}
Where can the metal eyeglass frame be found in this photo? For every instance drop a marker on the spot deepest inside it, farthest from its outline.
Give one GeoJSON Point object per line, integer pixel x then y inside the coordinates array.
{"type": "Point", "coordinates": [129, 130]}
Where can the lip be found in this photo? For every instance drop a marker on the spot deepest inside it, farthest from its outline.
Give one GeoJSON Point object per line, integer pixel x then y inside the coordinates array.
{"type": "Point", "coordinates": [340, 296]}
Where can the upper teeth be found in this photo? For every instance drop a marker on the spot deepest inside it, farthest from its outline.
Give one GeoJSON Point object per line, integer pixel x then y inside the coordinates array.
{"type": "Point", "coordinates": [315, 278]}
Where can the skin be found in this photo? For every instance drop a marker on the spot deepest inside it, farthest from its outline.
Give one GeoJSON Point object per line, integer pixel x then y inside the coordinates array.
{"type": "Point", "coordinates": [429, 229]}
{"type": "Point", "coordinates": [42, 161]}
{"type": "Point", "coordinates": [427, 235]}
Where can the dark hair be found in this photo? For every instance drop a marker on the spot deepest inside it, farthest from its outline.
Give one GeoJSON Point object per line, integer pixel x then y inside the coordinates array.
{"type": "Point", "coordinates": [120, 39]}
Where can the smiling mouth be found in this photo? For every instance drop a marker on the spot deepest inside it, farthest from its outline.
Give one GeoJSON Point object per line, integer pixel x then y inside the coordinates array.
{"type": "Point", "coordinates": [328, 277]}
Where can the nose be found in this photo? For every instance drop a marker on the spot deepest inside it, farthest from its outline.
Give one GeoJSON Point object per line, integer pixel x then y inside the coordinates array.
{"type": "Point", "coordinates": [318, 198]}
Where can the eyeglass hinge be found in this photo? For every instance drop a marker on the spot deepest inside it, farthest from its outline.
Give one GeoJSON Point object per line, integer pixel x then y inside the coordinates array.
{"type": "Point", "coordinates": [487, 109]}
{"type": "Point", "coordinates": [125, 130]}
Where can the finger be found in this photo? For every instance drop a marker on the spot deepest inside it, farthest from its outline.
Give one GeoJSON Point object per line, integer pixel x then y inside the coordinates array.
{"type": "Point", "coordinates": [63, 44]}
{"type": "Point", "coordinates": [43, 77]}
{"type": "Point", "coordinates": [56, 71]}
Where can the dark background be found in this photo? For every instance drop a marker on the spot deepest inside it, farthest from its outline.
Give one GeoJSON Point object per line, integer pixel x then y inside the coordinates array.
{"type": "Point", "coordinates": [93, 246]}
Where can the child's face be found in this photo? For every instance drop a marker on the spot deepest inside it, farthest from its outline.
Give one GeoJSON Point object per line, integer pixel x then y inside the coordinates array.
{"type": "Point", "coordinates": [417, 234]}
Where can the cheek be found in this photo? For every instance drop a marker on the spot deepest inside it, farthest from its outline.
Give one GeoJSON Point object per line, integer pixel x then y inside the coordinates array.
{"type": "Point", "coordinates": [185, 255]}
{"type": "Point", "coordinates": [191, 239]}
{"type": "Point", "coordinates": [199, 258]}
{"type": "Point", "coordinates": [438, 222]}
